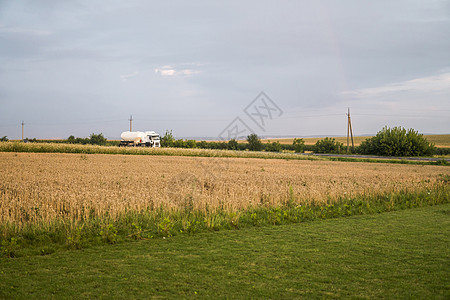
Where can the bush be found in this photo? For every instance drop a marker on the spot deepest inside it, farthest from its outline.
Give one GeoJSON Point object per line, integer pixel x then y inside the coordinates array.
{"type": "Point", "coordinates": [215, 145]}
{"type": "Point", "coordinates": [222, 145]}
{"type": "Point", "coordinates": [179, 143]}
{"type": "Point", "coordinates": [273, 147]}
{"type": "Point", "coordinates": [309, 148]}
{"type": "Point", "coordinates": [397, 142]}
{"type": "Point", "coordinates": [288, 147]}
{"type": "Point", "coordinates": [93, 139]}
{"type": "Point", "coordinates": [4, 139]}
{"type": "Point", "coordinates": [97, 139]}
{"type": "Point", "coordinates": [254, 143]}
{"type": "Point", "coordinates": [442, 151]}
{"type": "Point", "coordinates": [202, 145]}
{"type": "Point", "coordinates": [28, 140]}
{"type": "Point", "coordinates": [73, 140]}
{"type": "Point", "coordinates": [190, 144]}
{"type": "Point", "coordinates": [232, 145]}
{"type": "Point", "coordinates": [299, 145]}
{"type": "Point", "coordinates": [328, 145]}
{"type": "Point", "coordinates": [242, 146]}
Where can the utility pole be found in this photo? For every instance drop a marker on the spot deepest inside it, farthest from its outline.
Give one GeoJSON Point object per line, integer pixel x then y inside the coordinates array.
{"type": "Point", "coordinates": [349, 131]}
{"type": "Point", "coordinates": [131, 122]}
{"type": "Point", "coordinates": [22, 129]}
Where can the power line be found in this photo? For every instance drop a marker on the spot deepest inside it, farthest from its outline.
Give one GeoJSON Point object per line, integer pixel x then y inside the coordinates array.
{"type": "Point", "coordinates": [311, 116]}
{"type": "Point", "coordinates": [404, 116]}
{"type": "Point", "coordinates": [86, 122]}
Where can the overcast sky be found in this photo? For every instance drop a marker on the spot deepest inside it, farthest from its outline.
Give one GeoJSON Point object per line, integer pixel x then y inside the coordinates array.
{"type": "Point", "coordinates": [78, 67]}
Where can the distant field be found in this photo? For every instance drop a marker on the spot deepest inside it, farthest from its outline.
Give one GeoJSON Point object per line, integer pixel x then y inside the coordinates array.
{"type": "Point", "coordinates": [442, 140]}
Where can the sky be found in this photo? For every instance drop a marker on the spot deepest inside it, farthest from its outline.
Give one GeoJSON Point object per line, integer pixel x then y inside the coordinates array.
{"type": "Point", "coordinates": [198, 67]}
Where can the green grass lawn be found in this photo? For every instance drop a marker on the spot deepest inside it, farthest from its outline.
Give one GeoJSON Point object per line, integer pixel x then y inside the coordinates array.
{"type": "Point", "coordinates": [402, 254]}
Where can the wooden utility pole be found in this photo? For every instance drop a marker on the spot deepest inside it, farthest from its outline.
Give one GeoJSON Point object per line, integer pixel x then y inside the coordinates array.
{"type": "Point", "coordinates": [131, 122]}
{"type": "Point", "coordinates": [349, 132]}
{"type": "Point", "coordinates": [22, 129]}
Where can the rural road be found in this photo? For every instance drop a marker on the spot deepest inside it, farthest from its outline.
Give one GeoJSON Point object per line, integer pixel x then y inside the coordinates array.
{"type": "Point", "coordinates": [377, 157]}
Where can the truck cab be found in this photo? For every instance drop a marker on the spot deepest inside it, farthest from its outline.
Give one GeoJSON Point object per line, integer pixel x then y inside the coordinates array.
{"type": "Point", "coordinates": [152, 139]}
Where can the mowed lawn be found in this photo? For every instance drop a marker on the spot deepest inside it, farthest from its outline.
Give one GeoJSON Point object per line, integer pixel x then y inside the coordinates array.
{"type": "Point", "coordinates": [403, 254]}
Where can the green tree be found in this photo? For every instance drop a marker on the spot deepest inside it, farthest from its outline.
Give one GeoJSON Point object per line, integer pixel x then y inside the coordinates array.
{"type": "Point", "coordinates": [328, 145]}
{"type": "Point", "coordinates": [168, 140]}
{"type": "Point", "coordinates": [299, 145]}
{"type": "Point", "coordinates": [97, 139]}
{"type": "Point", "coordinates": [254, 142]}
{"type": "Point", "coordinates": [397, 141]}
{"type": "Point", "coordinates": [4, 139]}
{"type": "Point", "coordinates": [71, 139]}
{"type": "Point", "coordinates": [232, 145]}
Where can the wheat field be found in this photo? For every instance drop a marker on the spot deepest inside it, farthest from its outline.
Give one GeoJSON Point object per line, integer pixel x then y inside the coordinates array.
{"type": "Point", "coordinates": [38, 187]}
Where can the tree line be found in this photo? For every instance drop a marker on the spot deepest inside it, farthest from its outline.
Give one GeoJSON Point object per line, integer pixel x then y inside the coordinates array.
{"type": "Point", "coordinates": [395, 141]}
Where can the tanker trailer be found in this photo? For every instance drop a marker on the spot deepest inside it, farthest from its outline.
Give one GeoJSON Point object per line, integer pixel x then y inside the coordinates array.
{"type": "Point", "coordinates": [139, 138]}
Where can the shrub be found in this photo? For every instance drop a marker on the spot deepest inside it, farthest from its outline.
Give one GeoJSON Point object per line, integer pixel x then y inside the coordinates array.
{"type": "Point", "coordinates": [216, 145]}
{"type": "Point", "coordinates": [202, 145]}
{"type": "Point", "coordinates": [397, 142]}
{"type": "Point", "coordinates": [442, 151]}
{"type": "Point", "coordinates": [190, 144]}
{"type": "Point", "coordinates": [179, 143]}
{"type": "Point", "coordinates": [94, 139]}
{"type": "Point", "coordinates": [299, 145]}
{"type": "Point", "coordinates": [273, 147]}
{"type": "Point", "coordinates": [232, 145]}
{"type": "Point", "coordinates": [254, 142]}
{"type": "Point", "coordinates": [4, 139]}
{"type": "Point", "coordinates": [328, 145]}
{"type": "Point", "coordinates": [97, 139]}
{"type": "Point", "coordinates": [289, 147]}
{"type": "Point", "coordinates": [71, 139]}
{"type": "Point", "coordinates": [242, 146]}
{"type": "Point", "coordinates": [309, 148]}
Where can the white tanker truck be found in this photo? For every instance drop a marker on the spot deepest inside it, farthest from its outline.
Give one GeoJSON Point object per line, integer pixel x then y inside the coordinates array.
{"type": "Point", "coordinates": [139, 138]}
